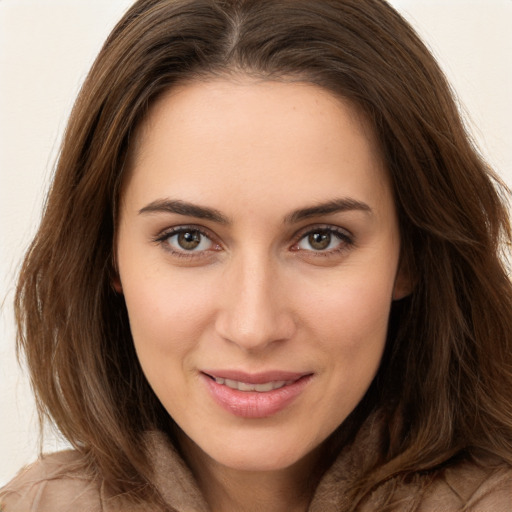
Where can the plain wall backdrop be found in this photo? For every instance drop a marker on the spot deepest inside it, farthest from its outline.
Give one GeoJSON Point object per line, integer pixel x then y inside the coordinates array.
{"type": "Point", "coordinates": [46, 49]}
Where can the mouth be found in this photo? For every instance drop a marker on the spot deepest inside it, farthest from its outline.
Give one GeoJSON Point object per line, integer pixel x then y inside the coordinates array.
{"type": "Point", "coordinates": [255, 395]}
{"type": "Point", "coordinates": [247, 386]}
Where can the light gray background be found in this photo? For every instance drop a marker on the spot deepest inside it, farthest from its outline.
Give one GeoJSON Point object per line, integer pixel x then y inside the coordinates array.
{"type": "Point", "coordinates": [46, 48]}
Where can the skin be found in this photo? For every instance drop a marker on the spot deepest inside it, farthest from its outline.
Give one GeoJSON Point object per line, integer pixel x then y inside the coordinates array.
{"type": "Point", "coordinates": [259, 292]}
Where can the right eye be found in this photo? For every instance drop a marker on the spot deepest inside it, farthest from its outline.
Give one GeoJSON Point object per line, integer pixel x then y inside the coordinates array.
{"type": "Point", "coordinates": [187, 241]}
{"type": "Point", "coordinates": [324, 240]}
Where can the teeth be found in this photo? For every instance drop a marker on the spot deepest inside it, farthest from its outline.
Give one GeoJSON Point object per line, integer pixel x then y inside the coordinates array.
{"type": "Point", "coordinates": [260, 388]}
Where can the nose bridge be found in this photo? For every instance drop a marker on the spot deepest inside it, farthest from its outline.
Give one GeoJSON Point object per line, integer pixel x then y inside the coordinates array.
{"type": "Point", "coordinates": [253, 316]}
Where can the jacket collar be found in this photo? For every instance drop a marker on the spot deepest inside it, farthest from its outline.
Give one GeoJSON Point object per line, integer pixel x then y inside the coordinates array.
{"type": "Point", "coordinates": [177, 486]}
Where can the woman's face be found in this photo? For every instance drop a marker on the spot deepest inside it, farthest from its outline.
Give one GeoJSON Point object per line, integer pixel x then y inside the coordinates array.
{"type": "Point", "coordinates": [257, 251]}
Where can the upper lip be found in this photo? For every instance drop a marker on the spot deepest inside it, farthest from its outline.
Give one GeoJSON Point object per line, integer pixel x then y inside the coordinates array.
{"type": "Point", "coordinates": [256, 378]}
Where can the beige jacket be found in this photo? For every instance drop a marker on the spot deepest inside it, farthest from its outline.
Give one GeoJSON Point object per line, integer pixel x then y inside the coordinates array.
{"type": "Point", "coordinates": [53, 484]}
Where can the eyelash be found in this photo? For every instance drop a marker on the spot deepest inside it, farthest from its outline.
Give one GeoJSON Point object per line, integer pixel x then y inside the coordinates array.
{"type": "Point", "coordinates": [168, 234]}
{"type": "Point", "coordinates": [346, 240]}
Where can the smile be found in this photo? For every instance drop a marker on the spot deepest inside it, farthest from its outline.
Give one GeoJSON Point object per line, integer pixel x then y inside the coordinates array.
{"type": "Point", "coordinates": [255, 396]}
{"type": "Point", "coordinates": [246, 386]}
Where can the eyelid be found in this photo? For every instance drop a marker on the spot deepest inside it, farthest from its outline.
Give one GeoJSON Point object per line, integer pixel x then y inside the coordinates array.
{"type": "Point", "coordinates": [169, 232]}
{"type": "Point", "coordinates": [345, 236]}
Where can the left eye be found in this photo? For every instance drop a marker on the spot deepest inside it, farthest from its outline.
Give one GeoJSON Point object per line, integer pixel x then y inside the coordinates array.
{"type": "Point", "coordinates": [321, 240]}
{"type": "Point", "coordinates": [189, 240]}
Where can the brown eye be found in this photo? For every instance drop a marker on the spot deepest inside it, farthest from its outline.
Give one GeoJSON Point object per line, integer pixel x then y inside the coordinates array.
{"type": "Point", "coordinates": [189, 240]}
{"type": "Point", "coordinates": [182, 240]}
{"type": "Point", "coordinates": [320, 240]}
{"type": "Point", "coordinates": [324, 240]}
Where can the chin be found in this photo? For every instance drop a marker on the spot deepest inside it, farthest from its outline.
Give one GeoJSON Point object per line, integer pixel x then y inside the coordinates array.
{"type": "Point", "coordinates": [257, 462]}
{"type": "Point", "coordinates": [260, 454]}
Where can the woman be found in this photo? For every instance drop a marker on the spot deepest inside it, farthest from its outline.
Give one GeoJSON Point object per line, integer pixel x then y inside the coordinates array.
{"type": "Point", "coordinates": [269, 274]}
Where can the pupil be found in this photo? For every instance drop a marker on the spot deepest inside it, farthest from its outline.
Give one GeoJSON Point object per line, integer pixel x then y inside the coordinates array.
{"type": "Point", "coordinates": [189, 239]}
{"type": "Point", "coordinates": [320, 241]}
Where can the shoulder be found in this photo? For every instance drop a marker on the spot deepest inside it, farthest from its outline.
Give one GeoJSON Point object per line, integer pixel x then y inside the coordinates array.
{"type": "Point", "coordinates": [56, 483]}
{"type": "Point", "coordinates": [476, 484]}
{"type": "Point", "coordinates": [64, 482]}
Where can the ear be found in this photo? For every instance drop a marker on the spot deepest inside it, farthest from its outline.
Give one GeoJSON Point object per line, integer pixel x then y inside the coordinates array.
{"type": "Point", "coordinates": [404, 283]}
{"type": "Point", "coordinates": [115, 280]}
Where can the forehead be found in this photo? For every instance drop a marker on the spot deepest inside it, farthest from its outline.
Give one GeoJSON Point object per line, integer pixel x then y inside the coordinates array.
{"type": "Point", "coordinates": [205, 139]}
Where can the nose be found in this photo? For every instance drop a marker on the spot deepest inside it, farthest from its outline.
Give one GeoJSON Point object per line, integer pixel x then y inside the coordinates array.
{"type": "Point", "coordinates": [254, 311]}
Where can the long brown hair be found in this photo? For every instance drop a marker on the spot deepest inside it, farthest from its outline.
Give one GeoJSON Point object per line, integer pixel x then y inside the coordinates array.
{"type": "Point", "coordinates": [446, 377]}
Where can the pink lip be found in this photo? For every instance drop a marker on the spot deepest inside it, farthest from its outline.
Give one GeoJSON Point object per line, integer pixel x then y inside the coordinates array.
{"type": "Point", "coordinates": [254, 378]}
{"type": "Point", "coordinates": [254, 404]}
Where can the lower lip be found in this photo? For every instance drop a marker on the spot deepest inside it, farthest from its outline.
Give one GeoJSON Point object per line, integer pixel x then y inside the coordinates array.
{"type": "Point", "coordinates": [252, 404]}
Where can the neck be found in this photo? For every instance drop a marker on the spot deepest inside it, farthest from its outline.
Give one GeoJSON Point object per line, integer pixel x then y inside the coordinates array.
{"type": "Point", "coordinates": [233, 490]}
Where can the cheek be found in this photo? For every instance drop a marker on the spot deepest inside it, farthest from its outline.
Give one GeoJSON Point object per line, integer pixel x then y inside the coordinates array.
{"type": "Point", "coordinates": [350, 328]}
{"type": "Point", "coordinates": [168, 316]}
{"type": "Point", "coordinates": [354, 311]}
{"type": "Point", "coordinates": [346, 331]}
{"type": "Point", "coordinates": [353, 334]}
{"type": "Point", "coordinates": [167, 311]}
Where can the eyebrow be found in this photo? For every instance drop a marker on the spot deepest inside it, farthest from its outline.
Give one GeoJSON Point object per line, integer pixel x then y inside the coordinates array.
{"type": "Point", "coordinates": [328, 208]}
{"type": "Point", "coordinates": [184, 208]}
{"type": "Point", "coordinates": [202, 212]}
